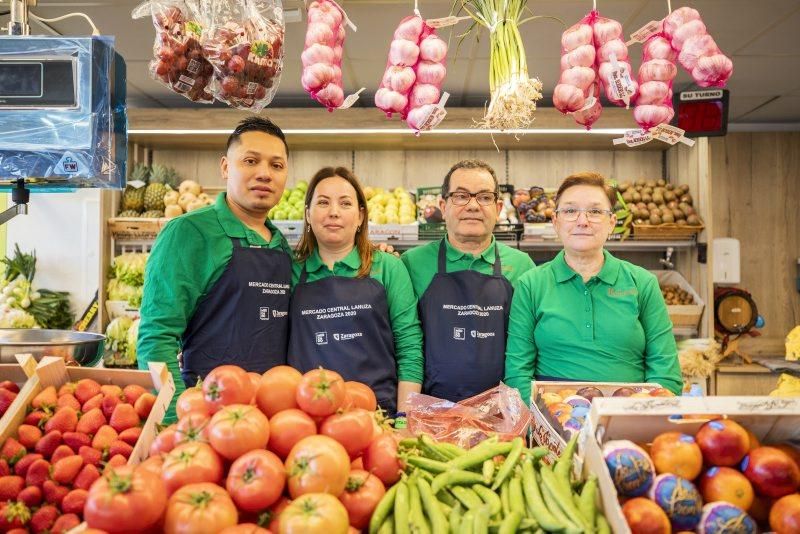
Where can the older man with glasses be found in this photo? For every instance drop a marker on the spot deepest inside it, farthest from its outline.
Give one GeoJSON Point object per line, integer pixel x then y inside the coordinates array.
{"type": "Point", "coordinates": [464, 283]}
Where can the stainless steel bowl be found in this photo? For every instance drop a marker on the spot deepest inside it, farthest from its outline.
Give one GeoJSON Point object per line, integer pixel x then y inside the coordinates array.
{"type": "Point", "coordinates": [83, 348]}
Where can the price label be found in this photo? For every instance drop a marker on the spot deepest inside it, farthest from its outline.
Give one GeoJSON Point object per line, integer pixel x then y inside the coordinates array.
{"type": "Point", "coordinates": [444, 22]}
{"type": "Point", "coordinates": [619, 80]}
{"type": "Point", "coordinates": [344, 16]}
{"type": "Point", "coordinates": [437, 114]}
{"type": "Point", "coordinates": [634, 138]}
{"type": "Point", "coordinates": [671, 135]}
{"type": "Point", "coordinates": [351, 99]}
{"type": "Point", "coordinates": [645, 32]}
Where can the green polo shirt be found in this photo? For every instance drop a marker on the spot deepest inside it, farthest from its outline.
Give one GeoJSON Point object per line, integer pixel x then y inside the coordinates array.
{"type": "Point", "coordinates": [422, 262]}
{"type": "Point", "coordinates": [390, 272]}
{"type": "Point", "coordinates": [188, 257]}
{"type": "Point", "coordinates": [613, 328]}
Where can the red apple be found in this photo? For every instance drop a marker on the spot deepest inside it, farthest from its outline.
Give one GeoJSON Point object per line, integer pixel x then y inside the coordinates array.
{"type": "Point", "coordinates": [589, 392]}
{"type": "Point", "coordinates": [646, 517]}
{"type": "Point", "coordinates": [784, 517]}
{"type": "Point", "coordinates": [771, 471]}
{"type": "Point", "coordinates": [723, 442]}
{"type": "Point", "coordinates": [624, 392]}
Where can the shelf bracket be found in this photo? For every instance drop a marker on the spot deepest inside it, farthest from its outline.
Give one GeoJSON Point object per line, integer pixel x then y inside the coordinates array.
{"type": "Point", "coordinates": [20, 196]}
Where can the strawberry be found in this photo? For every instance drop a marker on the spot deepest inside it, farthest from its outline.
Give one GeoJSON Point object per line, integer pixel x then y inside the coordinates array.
{"type": "Point", "coordinates": [46, 399]}
{"type": "Point", "coordinates": [38, 473]}
{"type": "Point", "coordinates": [92, 403]}
{"type": "Point", "coordinates": [66, 469]}
{"type": "Point", "coordinates": [4, 468]}
{"type": "Point", "coordinates": [115, 461]}
{"type": "Point", "coordinates": [10, 486]}
{"type": "Point", "coordinates": [85, 389]}
{"type": "Point", "coordinates": [111, 390]}
{"type": "Point", "coordinates": [144, 404]}
{"type": "Point", "coordinates": [31, 496]}
{"type": "Point", "coordinates": [13, 515]}
{"type": "Point", "coordinates": [49, 443]}
{"type": "Point", "coordinates": [120, 447]}
{"type": "Point", "coordinates": [91, 421]}
{"type": "Point", "coordinates": [44, 518]}
{"type": "Point", "coordinates": [6, 398]}
{"type": "Point", "coordinates": [12, 451]}
{"type": "Point", "coordinates": [124, 417]}
{"type": "Point", "coordinates": [9, 386]}
{"type": "Point", "coordinates": [64, 420]}
{"type": "Point", "coordinates": [108, 405]}
{"type": "Point", "coordinates": [133, 392]}
{"type": "Point", "coordinates": [76, 440]}
{"type": "Point", "coordinates": [21, 531]}
{"type": "Point", "coordinates": [36, 418]}
{"type": "Point", "coordinates": [91, 456]}
{"type": "Point", "coordinates": [73, 501]}
{"type": "Point", "coordinates": [53, 492]}
{"type": "Point", "coordinates": [86, 477]}
{"type": "Point", "coordinates": [21, 468]}
{"type": "Point", "coordinates": [131, 435]}
{"type": "Point", "coordinates": [65, 523]}
{"type": "Point", "coordinates": [103, 438]}
{"type": "Point", "coordinates": [28, 435]}
{"type": "Point", "coordinates": [61, 452]}
{"type": "Point", "coordinates": [68, 400]}
{"type": "Point", "coordinates": [67, 389]}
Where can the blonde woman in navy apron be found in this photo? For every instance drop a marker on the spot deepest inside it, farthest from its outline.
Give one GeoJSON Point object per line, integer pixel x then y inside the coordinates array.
{"type": "Point", "coordinates": [353, 308]}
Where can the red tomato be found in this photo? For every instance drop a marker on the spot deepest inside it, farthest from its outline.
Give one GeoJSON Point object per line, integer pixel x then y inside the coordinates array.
{"type": "Point", "coordinates": [192, 427]}
{"type": "Point", "coordinates": [287, 427]}
{"type": "Point", "coordinates": [164, 441]}
{"type": "Point", "coordinates": [358, 463]}
{"type": "Point", "coordinates": [315, 513]}
{"type": "Point", "coordinates": [225, 385]}
{"type": "Point", "coordinates": [237, 429]}
{"type": "Point", "coordinates": [361, 396]}
{"type": "Point", "coordinates": [154, 464]}
{"type": "Point", "coordinates": [320, 392]}
{"type": "Point", "coordinates": [352, 429]}
{"type": "Point", "coordinates": [255, 379]}
{"type": "Point", "coordinates": [381, 460]}
{"type": "Point", "coordinates": [361, 495]}
{"type": "Point", "coordinates": [198, 508]}
{"type": "Point", "coordinates": [277, 389]}
{"type": "Point", "coordinates": [317, 464]}
{"type": "Point", "coordinates": [274, 514]}
{"type": "Point", "coordinates": [191, 400]}
{"type": "Point", "coordinates": [245, 528]}
{"type": "Point", "coordinates": [125, 500]}
{"type": "Point", "coordinates": [256, 480]}
{"type": "Point", "coordinates": [191, 463]}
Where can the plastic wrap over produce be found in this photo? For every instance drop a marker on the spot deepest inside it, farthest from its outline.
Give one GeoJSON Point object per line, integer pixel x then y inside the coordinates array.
{"type": "Point", "coordinates": [697, 51]}
{"type": "Point", "coordinates": [654, 102]}
{"type": "Point", "coordinates": [497, 411]}
{"type": "Point", "coordinates": [578, 89]}
{"type": "Point", "coordinates": [179, 62]}
{"type": "Point", "coordinates": [244, 43]}
{"type": "Point", "coordinates": [322, 56]}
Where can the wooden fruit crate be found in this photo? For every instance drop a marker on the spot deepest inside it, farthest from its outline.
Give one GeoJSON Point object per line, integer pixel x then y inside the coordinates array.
{"type": "Point", "coordinates": [684, 315]}
{"type": "Point", "coordinates": [135, 228]}
{"type": "Point", "coordinates": [666, 231]}
{"type": "Point", "coordinates": [19, 373]}
{"type": "Point", "coordinates": [53, 371]}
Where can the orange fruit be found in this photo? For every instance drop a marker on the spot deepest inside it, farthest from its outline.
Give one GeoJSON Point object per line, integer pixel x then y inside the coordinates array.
{"type": "Point", "coordinates": [726, 484]}
{"type": "Point", "coordinates": [784, 518]}
{"type": "Point", "coordinates": [646, 517]}
{"type": "Point", "coordinates": [677, 453]}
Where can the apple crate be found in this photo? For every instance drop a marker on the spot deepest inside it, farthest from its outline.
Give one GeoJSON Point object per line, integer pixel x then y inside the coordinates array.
{"type": "Point", "coordinates": [19, 373]}
{"type": "Point", "coordinates": [52, 371]}
{"type": "Point", "coordinates": [687, 315]}
{"type": "Point", "coordinates": [547, 430]}
{"type": "Point", "coordinates": [135, 228]}
{"type": "Point", "coordinates": [772, 420]}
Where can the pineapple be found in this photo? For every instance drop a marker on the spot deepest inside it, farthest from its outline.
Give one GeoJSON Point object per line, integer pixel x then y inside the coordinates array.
{"type": "Point", "coordinates": [129, 213]}
{"type": "Point", "coordinates": [156, 189]}
{"type": "Point", "coordinates": [133, 198]}
{"type": "Point", "coordinates": [153, 214]}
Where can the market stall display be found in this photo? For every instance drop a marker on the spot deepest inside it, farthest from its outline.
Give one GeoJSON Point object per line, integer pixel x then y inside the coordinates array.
{"type": "Point", "coordinates": [322, 55]}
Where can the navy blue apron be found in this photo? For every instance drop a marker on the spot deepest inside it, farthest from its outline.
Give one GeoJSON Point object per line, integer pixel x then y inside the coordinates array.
{"type": "Point", "coordinates": [464, 317]}
{"type": "Point", "coordinates": [244, 319]}
{"type": "Point", "coordinates": [342, 324]}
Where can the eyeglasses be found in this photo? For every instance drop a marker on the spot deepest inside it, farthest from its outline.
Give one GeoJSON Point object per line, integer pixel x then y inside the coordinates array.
{"type": "Point", "coordinates": [592, 214]}
{"type": "Point", "coordinates": [462, 198]}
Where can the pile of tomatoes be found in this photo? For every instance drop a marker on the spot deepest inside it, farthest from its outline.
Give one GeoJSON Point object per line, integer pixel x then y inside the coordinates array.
{"type": "Point", "coordinates": [279, 451]}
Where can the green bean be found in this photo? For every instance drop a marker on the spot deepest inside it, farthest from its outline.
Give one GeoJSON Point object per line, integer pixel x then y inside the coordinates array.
{"type": "Point", "coordinates": [488, 471]}
{"type": "Point", "coordinates": [401, 509]}
{"type": "Point", "coordinates": [387, 527]}
{"type": "Point", "coordinates": [446, 497]}
{"type": "Point", "coordinates": [454, 450]}
{"type": "Point", "coordinates": [563, 468]}
{"type": "Point", "coordinates": [536, 453]}
{"type": "Point", "coordinates": [408, 443]}
{"type": "Point", "coordinates": [588, 499]}
{"type": "Point", "coordinates": [564, 500]}
{"type": "Point", "coordinates": [431, 449]}
{"type": "Point", "coordinates": [504, 499]}
{"type": "Point", "coordinates": [481, 520]}
{"type": "Point", "coordinates": [455, 519]}
{"type": "Point", "coordinates": [508, 465]}
{"type": "Point", "coordinates": [467, 497]}
{"type": "Point", "coordinates": [602, 525]}
{"type": "Point", "coordinates": [458, 478]}
{"type": "Point", "coordinates": [534, 499]}
{"type": "Point", "coordinates": [416, 518]}
{"type": "Point", "coordinates": [438, 519]}
{"type": "Point", "coordinates": [427, 464]}
{"type": "Point", "coordinates": [510, 523]}
{"type": "Point", "coordinates": [383, 509]}
{"type": "Point", "coordinates": [443, 507]}
{"type": "Point", "coordinates": [515, 500]}
{"type": "Point", "coordinates": [551, 500]}
{"type": "Point", "coordinates": [467, 523]}
{"type": "Point", "coordinates": [476, 456]}
{"type": "Point", "coordinates": [490, 498]}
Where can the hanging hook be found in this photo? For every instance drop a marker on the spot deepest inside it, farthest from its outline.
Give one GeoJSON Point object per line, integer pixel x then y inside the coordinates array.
{"type": "Point", "coordinates": [594, 5]}
{"type": "Point", "coordinates": [669, 7]}
{"type": "Point", "coordinates": [416, 8]}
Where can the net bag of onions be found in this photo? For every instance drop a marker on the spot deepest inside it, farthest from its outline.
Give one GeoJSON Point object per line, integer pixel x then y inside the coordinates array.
{"type": "Point", "coordinates": [244, 43]}
{"type": "Point", "coordinates": [179, 61]}
{"type": "Point", "coordinates": [322, 56]}
{"type": "Point", "coordinates": [654, 101]}
{"type": "Point", "coordinates": [697, 51]}
{"type": "Point", "coordinates": [578, 89]}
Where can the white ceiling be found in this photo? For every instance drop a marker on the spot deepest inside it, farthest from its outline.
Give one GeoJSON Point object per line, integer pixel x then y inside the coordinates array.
{"type": "Point", "coordinates": [761, 37]}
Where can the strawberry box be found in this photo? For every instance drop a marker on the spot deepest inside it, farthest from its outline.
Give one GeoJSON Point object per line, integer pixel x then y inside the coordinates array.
{"type": "Point", "coordinates": [18, 374]}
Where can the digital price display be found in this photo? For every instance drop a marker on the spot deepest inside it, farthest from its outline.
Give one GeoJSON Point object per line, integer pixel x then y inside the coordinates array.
{"type": "Point", "coordinates": [702, 113]}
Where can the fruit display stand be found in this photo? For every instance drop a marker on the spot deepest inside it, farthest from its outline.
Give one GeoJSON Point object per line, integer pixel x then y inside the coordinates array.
{"type": "Point", "coordinates": [770, 420]}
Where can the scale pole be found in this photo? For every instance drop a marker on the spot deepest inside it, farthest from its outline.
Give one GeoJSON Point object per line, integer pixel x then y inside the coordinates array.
{"type": "Point", "coordinates": [19, 17]}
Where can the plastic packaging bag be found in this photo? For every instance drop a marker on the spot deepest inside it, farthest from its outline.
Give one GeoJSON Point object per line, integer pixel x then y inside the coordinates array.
{"type": "Point", "coordinates": [697, 51]}
{"type": "Point", "coordinates": [179, 62]}
{"type": "Point", "coordinates": [612, 54]}
{"type": "Point", "coordinates": [322, 56]}
{"type": "Point", "coordinates": [654, 102]}
{"type": "Point", "coordinates": [498, 411]}
{"type": "Point", "coordinates": [578, 89]}
{"type": "Point", "coordinates": [244, 43]}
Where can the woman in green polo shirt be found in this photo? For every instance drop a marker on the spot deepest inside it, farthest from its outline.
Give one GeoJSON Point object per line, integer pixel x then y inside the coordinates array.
{"type": "Point", "coordinates": [587, 315]}
{"type": "Point", "coordinates": [353, 309]}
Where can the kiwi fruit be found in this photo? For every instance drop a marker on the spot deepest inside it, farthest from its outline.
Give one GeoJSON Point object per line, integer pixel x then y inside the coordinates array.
{"type": "Point", "coordinates": [686, 198]}
{"type": "Point", "coordinates": [651, 206]}
{"type": "Point", "coordinates": [661, 182]}
{"type": "Point", "coordinates": [681, 222]}
{"type": "Point", "coordinates": [647, 190]}
{"type": "Point", "coordinates": [655, 218]}
{"type": "Point", "coordinates": [670, 187]}
{"type": "Point", "coordinates": [693, 220]}
{"type": "Point", "coordinates": [669, 195]}
{"type": "Point", "coordinates": [627, 196]}
{"type": "Point", "coordinates": [637, 197]}
{"type": "Point", "coordinates": [624, 186]}
{"type": "Point", "coordinates": [650, 183]}
{"type": "Point", "coordinates": [672, 204]}
{"type": "Point", "coordinates": [668, 217]}
{"type": "Point", "coordinates": [690, 211]}
{"type": "Point", "coordinates": [647, 198]}
{"type": "Point", "coordinates": [658, 198]}
{"type": "Point", "coordinates": [678, 214]}
{"type": "Point", "coordinates": [640, 182]}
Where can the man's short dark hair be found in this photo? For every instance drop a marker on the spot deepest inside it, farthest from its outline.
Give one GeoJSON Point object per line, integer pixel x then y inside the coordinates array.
{"type": "Point", "coordinates": [467, 164]}
{"type": "Point", "coordinates": [256, 124]}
